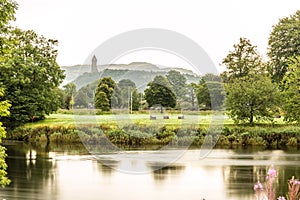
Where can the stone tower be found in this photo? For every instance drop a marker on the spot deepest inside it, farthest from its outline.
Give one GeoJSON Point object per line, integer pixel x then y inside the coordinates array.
{"type": "Point", "coordinates": [94, 65]}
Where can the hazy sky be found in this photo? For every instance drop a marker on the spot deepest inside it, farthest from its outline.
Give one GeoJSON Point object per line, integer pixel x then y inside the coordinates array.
{"type": "Point", "coordinates": [81, 26]}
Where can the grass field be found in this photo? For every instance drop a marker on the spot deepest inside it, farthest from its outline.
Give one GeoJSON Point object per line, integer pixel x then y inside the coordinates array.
{"type": "Point", "coordinates": [204, 118]}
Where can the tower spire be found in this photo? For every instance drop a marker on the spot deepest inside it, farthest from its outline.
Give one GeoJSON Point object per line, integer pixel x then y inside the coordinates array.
{"type": "Point", "coordinates": [94, 65]}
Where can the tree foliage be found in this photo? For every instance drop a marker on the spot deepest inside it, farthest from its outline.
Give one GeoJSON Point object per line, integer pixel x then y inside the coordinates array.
{"type": "Point", "coordinates": [159, 92]}
{"type": "Point", "coordinates": [128, 94]}
{"type": "Point", "coordinates": [291, 91]}
{"type": "Point", "coordinates": [210, 94]}
{"type": "Point", "coordinates": [81, 99]}
{"type": "Point", "coordinates": [252, 97]}
{"type": "Point", "coordinates": [7, 10]}
{"type": "Point", "coordinates": [4, 111]}
{"type": "Point", "coordinates": [178, 83]}
{"type": "Point", "coordinates": [105, 95]}
{"type": "Point", "coordinates": [284, 42]}
{"type": "Point", "coordinates": [30, 75]}
{"type": "Point", "coordinates": [70, 92]}
{"type": "Point", "coordinates": [244, 59]}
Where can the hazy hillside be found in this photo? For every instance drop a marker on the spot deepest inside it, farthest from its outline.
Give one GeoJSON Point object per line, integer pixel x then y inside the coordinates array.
{"type": "Point", "coordinates": [139, 72]}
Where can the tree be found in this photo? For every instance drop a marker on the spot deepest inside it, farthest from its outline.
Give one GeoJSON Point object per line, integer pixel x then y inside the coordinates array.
{"type": "Point", "coordinates": [70, 92]}
{"type": "Point", "coordinates": [284, 42]}
{"type": "Point", "coordinates": [105, 94]}
{"type": "Point", "coordinates": [129, 94]}
{"type": "Point", "coordinates": [30, 74]}
{"type": "Point", "coordinates": [190, 95]}
{"type": "Point", "coordinates": [4, 106]}
{"type": "Point", "coordinates": [210, 94]}
{"type": "Point", "coordinates": [159, 92]}
{"type": "Point", "coordinates": [81, 99]}
{"type": "Point", "coordinates": [61, 97]}
{"type": "Point", "coordinates": [202, 94]}
{"type": "Point", "coordinates": [252, 96]}
{"type": "Point", "coordinates": [244, 59]}
{"type": "Point", "coordinates": [178, 83]}
{"type": "Point", "coordinates": [291, 91]}
{"type": "Point", "coordinates": [7, 10]}
{"type": "Point", "coordinates": [135, 100]}
{"type": "Point", "coordinates": [101, 101]}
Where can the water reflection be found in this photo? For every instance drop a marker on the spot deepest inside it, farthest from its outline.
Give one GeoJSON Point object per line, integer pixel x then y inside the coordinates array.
{"type": "Point", "coordinates": [30, 170]}
{"type": "Point", "coordinates": [162, 172]}
{"type": "Point", "coordinates": [69, 172]}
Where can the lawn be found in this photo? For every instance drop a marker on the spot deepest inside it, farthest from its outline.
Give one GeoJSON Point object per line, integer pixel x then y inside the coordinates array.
{"type": "Point", "coordinates": [204, 118]}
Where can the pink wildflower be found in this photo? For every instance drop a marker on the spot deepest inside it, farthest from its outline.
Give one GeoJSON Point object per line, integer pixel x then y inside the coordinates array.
{"type": "Point", "coordinates": [271, 172]}
{"type": "Point", "coordinates": [258, 186]}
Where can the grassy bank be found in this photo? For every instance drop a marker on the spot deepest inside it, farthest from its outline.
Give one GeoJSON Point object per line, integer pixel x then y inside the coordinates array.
{"type": "Point", "coordinates": [267, 135]}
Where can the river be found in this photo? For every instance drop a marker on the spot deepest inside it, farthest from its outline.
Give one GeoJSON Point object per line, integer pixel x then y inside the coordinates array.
{"type": "Point", "coordinates": [69, 172]}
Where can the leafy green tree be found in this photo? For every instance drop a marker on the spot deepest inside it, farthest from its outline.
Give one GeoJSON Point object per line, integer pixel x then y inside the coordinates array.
{"type": "Point", "coordinates": [4, 111]}
{"type": "Point", "coordinates": [129, 94]}
{"type": "Point", "coordinates": [136, 100]}
{"type": "Point", "coordinates": [252, 97]}
{"type": "Point", "coordinates": [105, 94]}
{"type": "Point", "coordinates": [159, 92]}
{"type": "Point", "coordinates": [212, 77]}
{"type": "Point", "coordinates": [61, 98]}
{"type": "Point", "coordinates": [291, 91]}
{"type": "Point", "coordinates": [70, 92]}
{"type": "Point", "coordinates": [81, 99]}
{"type": "Point", "coordinates": [244, 59]}
{"type": "Point", "coordinates": [210, 94]}
{"type": "Point", "coordinates": [178, 83]}
{"type": "Point", "coordinates": [7, 10]}
{"type": "Point", "coordinates": [30, 74]}
{"type": "Point", "coordinates": [101, 101]}
{"type": "Point", "coordinates": [202, 94]}
{"type": "Point", "coordinates": [284, 42]}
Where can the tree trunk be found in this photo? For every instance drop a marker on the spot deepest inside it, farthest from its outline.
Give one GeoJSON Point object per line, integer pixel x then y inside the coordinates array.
{"type": "Point", "coordinates": [251, 115]}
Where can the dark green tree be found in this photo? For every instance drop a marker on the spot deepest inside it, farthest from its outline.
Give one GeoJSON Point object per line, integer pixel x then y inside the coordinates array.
{"type": "Point", "coordinates": [30, 74]}
{"type": "Point", "coordinates": [159, 92]}
{"type": "Point", "coordinates": [178, 83]}
{"type": "Point", "coordinates": [101, 101]}
{"type": "Point", "coordinates": [291, 91]}
{"type": "Point", "coordinates": [105, 94]}
{"type": "Point", "coordinates": [244, 59]}
{"type": "Point", "coordinates": [252, 97]}
{"type": "Point", "coordinates": [284, 42]}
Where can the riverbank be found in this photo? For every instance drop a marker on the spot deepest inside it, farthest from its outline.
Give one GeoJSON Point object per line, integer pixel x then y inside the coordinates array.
{"type": "Point", "coordinates": [266, 135]}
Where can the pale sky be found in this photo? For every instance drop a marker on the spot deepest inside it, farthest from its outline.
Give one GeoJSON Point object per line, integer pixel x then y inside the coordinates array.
{"type": "Point", "coordinates": [81, 26]}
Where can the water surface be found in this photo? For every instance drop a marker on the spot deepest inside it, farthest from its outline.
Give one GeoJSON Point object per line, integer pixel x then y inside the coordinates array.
{"type": "Point", "coordinates": [70, 172]}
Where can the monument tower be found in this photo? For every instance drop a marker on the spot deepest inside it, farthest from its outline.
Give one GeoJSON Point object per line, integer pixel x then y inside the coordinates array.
{"type": "Point", "coordinates": [94, 65]}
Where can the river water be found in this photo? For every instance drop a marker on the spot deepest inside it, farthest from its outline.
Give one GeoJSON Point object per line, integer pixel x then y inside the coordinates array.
{"type": "Point", "coordinates": [69, 172]}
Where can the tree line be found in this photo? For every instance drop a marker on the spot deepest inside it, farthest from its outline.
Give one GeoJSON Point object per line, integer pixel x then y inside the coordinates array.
{"type": "Point", "coordinates": [171, 91]}
{"type": "Point", "coordinates": [250, 89]}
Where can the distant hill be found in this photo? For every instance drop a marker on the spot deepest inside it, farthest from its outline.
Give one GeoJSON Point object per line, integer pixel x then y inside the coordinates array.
{"type": "Point", "coordinates": [139, 72]}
